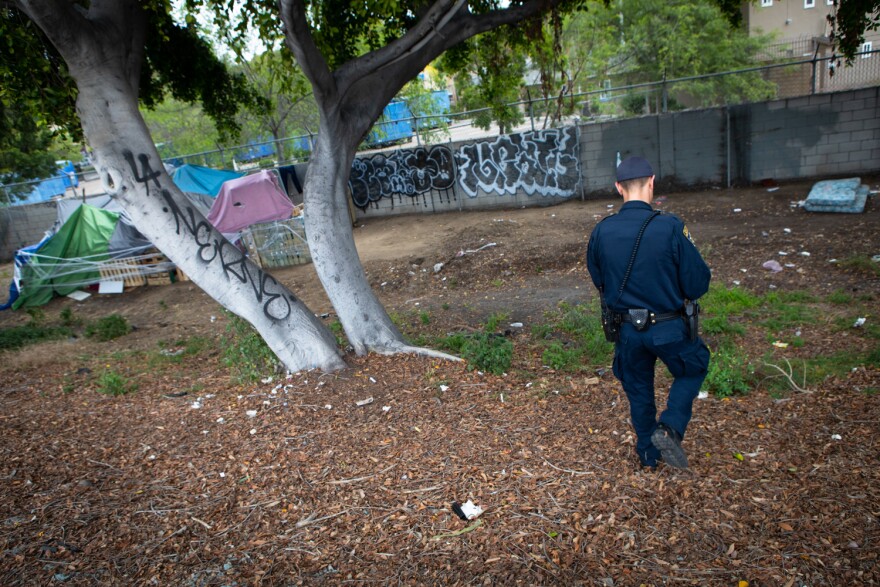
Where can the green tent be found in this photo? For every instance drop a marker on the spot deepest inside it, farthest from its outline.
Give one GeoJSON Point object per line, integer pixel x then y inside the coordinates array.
{"type": "Point", "coordinates": [68, 260]}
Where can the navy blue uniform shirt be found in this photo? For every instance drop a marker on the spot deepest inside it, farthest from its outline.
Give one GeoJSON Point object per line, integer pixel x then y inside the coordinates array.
{"type": "Point", "coordinates": [668, 267]}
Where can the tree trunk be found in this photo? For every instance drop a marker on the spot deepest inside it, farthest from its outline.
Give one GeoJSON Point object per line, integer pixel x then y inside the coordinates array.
{"type": "Point", "coordinates": [328, 228]}
{"type": "Point", "coordinates": [131, 170]}
{"type": "Point", "coordinates": [106, 66]}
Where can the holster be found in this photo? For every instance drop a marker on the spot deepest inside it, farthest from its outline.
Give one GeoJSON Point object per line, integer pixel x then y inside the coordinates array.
{"type": "Point", "coordinates": [610, 322]}
{"type": "Point", "coordinates": [692, 319]}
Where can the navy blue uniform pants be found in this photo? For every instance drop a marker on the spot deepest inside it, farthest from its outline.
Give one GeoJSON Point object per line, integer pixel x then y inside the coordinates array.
{"type": "Point", "coordinates": [635, 356]}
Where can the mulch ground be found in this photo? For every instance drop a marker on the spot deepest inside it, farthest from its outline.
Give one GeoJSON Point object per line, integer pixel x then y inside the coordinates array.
{"type": "Point", "coordinates": [197, 480]}
{"type": "Point", "coordinates": [292, 482]}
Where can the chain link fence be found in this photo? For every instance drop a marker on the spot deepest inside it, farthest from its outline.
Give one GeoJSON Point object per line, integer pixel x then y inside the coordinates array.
{"type": "Point", "coordinates": [790, 79]}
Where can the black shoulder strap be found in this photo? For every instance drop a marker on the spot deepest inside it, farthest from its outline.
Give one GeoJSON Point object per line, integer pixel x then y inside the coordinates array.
{"type": "Point", "coordinates": [632, 257]}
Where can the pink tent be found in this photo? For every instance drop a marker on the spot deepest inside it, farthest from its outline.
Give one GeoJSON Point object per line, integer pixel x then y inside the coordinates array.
{"type": "Point", "coordinates": [249, 200]}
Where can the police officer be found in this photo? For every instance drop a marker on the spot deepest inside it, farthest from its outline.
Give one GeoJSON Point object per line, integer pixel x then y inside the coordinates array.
{"type": "Point", "coordinates": [645, 282]}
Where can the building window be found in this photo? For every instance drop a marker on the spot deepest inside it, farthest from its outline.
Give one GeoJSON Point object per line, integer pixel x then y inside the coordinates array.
{"type": "Point", "coordinates": [766, 3]}
{"type": "Point", "coordinates": [865, 49]}
{"type": "Point", "coordinates": [809, 3]}
{"type": "Point", "coordinates": [829, 2]}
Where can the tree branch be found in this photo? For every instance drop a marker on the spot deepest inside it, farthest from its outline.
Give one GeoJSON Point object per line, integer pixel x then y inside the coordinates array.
{"type": "Point", "coordinates": [300, 41]}
{"type": "Point", "coordinates": [447, 23]}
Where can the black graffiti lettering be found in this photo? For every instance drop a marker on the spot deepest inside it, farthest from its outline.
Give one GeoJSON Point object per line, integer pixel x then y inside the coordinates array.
{"type": "Point", "coordinates": [200, 230]}
{"type": "Point", "coordinates": [407, 172]}
{"type": "Point", "coordinates": [277, 305]}
{"type": "Point", "coordinates": [146, 174]}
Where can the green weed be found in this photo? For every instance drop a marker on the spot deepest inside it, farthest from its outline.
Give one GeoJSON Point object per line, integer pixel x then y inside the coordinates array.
{"type": "Point", "coordinates": [488, 352]}
{"type": "Point", "coordinates": [245, 353]}
{"type": "Point", "coordinates": [69, 319]}
{"type": "Point", "coordinates": [425, 317]}
{"type": "Point", "coordinates": [17, 337]}
{"type": "Point", "coordinates": [495, 320]}
{"type": "Point", "coordinates": [108, 328]}
{"type": "Point", "coordinates": [558, 357]}
{"type": "Point", "coordinates": [839, 297]}
{"type": "Point", "coordinates": [729, 373]}
{"type": "Point", "coordinates": [721, 301]}
{"type": "Point", "coordinates": [112, 383]}
{"type": "Point", "coordinates": [860, 264]}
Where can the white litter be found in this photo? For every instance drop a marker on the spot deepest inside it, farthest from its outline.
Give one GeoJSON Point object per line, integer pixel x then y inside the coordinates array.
{"type": "Point", "coordinates": [470, 510]}
{"type": "Point", "coordinates": [266, 380]}
{"type": "Point", "coordinates": [253, 431]}
{"type": "Point", "coordinates": [364, 402]}
{"type": "Point", "coordinates": [438, 267]}
{"type": "Point", "coordinates": [251, 413]}
{"type": "Point", "coordinates": [786, 230]}
{"type": "Point", "coordinates": [372, 380]}
{"type": "Point", "coordinates": [328, 407]}
{"type": "Point", "coordinates": [386, 408]}
{"type": "Point", "coordinates": [443, 388]}
{"type": "Point", "coordinates": [703, 395]}
{"type": "Point", "coordinates": [196, 405]}
{"type": "Point", "coordinates": [859, 322]}
{"type": "Point", "coordinates": [737, 209]}
{"type": "Point", "coordinates": [836, 437]}
{"type": "Point", "coordinates": [516, 324]}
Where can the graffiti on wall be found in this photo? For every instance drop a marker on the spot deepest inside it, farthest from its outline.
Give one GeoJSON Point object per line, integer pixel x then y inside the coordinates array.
{"type": "Point", "coordinates": [405, 172]}
{"type": "Point", "coordinates": [212, 248]}
{"type": "Point", "coordinates": [543, 162]}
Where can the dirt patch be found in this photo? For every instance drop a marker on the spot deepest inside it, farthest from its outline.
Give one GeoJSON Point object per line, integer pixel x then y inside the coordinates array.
{"type": "Point", "coordinates": [197, 480]}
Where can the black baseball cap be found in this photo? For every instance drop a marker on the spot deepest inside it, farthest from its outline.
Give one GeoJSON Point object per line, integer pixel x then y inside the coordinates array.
{"type": "Point", "coordinates": [633, 168]}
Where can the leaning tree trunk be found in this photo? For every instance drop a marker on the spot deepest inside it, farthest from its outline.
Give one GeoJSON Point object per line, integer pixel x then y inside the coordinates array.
{"type": "Point", "coordinates": [104, 61]}
{"type": "Point", "coordinates": [132, 171]}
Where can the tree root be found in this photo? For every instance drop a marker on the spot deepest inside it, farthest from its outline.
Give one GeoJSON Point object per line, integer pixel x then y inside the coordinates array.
{"type": "Point", "coordinates": [789, 376]}
{"type": "Point", "coordinates": [415, 350]}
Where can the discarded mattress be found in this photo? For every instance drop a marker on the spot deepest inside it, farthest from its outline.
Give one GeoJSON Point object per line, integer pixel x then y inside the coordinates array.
{"type": "Point", "coordinates": [847, 196]}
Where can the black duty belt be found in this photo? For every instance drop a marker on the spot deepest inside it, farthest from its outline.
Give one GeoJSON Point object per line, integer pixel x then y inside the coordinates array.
{"type": "Point", "coordinates": [640, 318]}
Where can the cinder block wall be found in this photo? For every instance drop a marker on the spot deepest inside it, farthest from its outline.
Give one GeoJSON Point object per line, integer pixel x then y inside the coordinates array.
{"type": "Point", "coordinates": [817, 136]}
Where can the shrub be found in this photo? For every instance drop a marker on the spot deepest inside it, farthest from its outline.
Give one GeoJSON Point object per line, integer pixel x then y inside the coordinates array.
{"type": "Point", "coordinates": [112, 383]}
{"type": "Point", "coordinates": [108, 328]}
{"type": "Point", "coordinates": [487, 352]}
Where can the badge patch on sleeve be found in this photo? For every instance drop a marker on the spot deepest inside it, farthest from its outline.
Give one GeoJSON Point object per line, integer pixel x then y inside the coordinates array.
{"type": "Point", "coordinates": [687, 235]}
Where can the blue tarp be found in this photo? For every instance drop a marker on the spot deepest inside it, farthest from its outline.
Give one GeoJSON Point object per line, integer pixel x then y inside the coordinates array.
{"type": "Point", "coordinates": [53, 186]}
{"type": "Point", "coordinates": [202, 180]}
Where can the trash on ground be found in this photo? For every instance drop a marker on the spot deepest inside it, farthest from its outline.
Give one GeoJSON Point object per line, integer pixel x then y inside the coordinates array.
{"type": "Point", "coordinates": [438, 267]}
{"type": "Point", "coordinates": [859, 322]}
{"type": "Point", "coordinates": [79, 295]}
{"type": "Point", "coordinates": [786, 230]}
{"type": "Point", "coordinates": [364, 402]}
{"type": "Point", "coordinates": [772, 189]}
{"type": "Point", "coordinates": [737, 209]}
{"type": "Point", "coordinates": [473, 526]}
{"type": "Point", "coordinates": [251, 413]}
{"type": "Point", "coordinates": [386, 408]}
{"type": "Point", "coordinates": [773, 266]}
{"type": "Point", "coordinates": [780, 344]}
{"type": "Point", "coordinates": [836, 437]}
{"type": "Point", "coordinates": [467, 510]}
{"type": "Point", "coordinates": [703, 395]}
{"type": "Point", "coordinates": [847, 196]}
{"type": "Point", "coordinates": [516, 324]}
{"type": "Point", "coordinates": [469, 251]}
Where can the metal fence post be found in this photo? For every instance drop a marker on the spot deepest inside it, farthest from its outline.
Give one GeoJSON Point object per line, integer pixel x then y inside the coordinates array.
{"type": "Point", "coordinates": [664, 92]}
